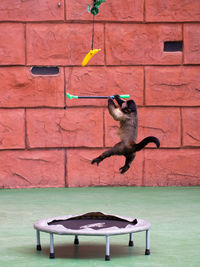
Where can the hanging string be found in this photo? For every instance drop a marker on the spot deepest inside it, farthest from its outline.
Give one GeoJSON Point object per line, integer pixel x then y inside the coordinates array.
{"type": "Point", "coordinates": [93, 33]}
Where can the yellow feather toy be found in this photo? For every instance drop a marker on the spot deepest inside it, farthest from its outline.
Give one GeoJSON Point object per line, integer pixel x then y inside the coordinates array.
{"type": "Point", "coordinates": [89, 56]}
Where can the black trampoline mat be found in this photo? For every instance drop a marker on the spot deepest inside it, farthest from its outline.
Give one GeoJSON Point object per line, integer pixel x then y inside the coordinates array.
{"type": "Point", "coordinates": [95, 224]}
{"type": "Point", "coordinates": [93, 220]}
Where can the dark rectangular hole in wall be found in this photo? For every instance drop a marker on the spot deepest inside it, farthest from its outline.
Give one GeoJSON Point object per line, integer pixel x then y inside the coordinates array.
{"type": "Point", "coordinates": [173, 46]}
{"type": "Point", "coordinates": [44, 70]}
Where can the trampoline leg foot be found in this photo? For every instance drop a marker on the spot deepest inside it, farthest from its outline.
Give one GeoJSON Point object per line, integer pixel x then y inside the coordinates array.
{"type": "Point", "coordinates": [131, 244]}
{"type": "Point", "coordinates": [107, 257]}
{"type": "Point", "coordinates": [51, 255]}
{"type": "Point", "coordinates": [38, 247]}
{"type": "Point", "coordinates": [76, 241]}
{"type": "Point", "coordinates": [147, 251]}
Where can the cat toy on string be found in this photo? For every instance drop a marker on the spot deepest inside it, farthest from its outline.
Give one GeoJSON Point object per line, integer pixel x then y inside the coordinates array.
{"type": "Point", "coordinates": [94, 10]}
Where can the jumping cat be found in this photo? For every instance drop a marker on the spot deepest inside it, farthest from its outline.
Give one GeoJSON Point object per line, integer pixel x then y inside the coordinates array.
{"type": "Point", "coordinates": [126, 113]}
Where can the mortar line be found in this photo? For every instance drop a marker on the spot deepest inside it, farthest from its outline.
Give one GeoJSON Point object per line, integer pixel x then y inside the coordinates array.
{"type": "Point", "coordinates": [144, 12]}
{"type": "Point", "coordinates": [104, 141]}
{"type": "Point", "coordinates": [105, 62]}
{"type": "Point", "coordinates": [102, 66]}
{"type": "Point", "coordinates": [59, 148]}
{"type": "Point", "coordinates": [96, 107]}
{"type": "Point", "coordinates": [68, 84]}
{"type": "Point", "coordinates": [65, 167]}
{"type": "Point", "coordinates": [181, 127]}
{"type": "Point", "coordinates": [25, 46]}
{"type": "Point", "coordinates": [70, 21]}
{"type": "Point", "coordinates": [26, 142]}
{"type": "Point", "coordinates": [183, 53]}
{"type": "Point", "coordinates": [65, 10]}
{"type": "Point", "coordinates": [143, 169]}
{"type": "Point", "coordinates": [64, 74]}
{"type": "Point", "coordinates": [144, 88]}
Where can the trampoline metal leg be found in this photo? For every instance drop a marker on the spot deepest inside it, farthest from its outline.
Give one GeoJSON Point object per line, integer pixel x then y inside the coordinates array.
{"type": "Point", "coordinates": [52, 255]}
{"type": "Point", "coordinates": [147, 251]}
{"type": "Point", "coordinates": [38, 247]}
{"type": "Point", "coordinates": [107, 256]}
{"type": "Point", "coordinates": [131, 240]}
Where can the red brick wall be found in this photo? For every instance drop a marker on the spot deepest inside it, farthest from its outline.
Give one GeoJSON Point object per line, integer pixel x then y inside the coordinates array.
{"type": "Point", "coordinates": [43, 145]}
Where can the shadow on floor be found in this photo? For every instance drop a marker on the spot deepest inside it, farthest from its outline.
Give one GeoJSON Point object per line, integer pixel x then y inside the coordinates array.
{"type": "Point", "coordinates": [84, 251]}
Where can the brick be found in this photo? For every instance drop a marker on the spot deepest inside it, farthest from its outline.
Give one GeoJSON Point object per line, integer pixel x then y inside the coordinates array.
{"type": "Point", "coordinates": [192, 43]}
{"type": "Point", "coordinates": [175, 167]}
{"type": "Point", "coordinates": [173, 86]}
{"type": "Point", "coordinates": [80, 172]}
{"type": "Point", "coordinates": [65, 128]}
{"type": "Point", "coordinates": [172, 10]}
{"type": "Point", "coordinates": [12, 132]}
{"type": "Point", "coordinates": [63, 44]}
{"type": "Point", "coordinates": [19, 88]}
{"type": "Point", "coordinates": [12, 51]}
{"type": "Point", "coordinates": [109, 10]}
{"type": "Point", "coordinates": [164, 123]}
{"type": "Point", "coordinates": [140, 44]}
{"type": "Point", "coordinates": [18, 10]}
{"type": "Point", "coordinates": [27, 169]}
{"type": "Point", "coordinates": [106, 81]}
{"type": "Point", "coordinates": [191, 122]}
{"type": "Point", "coordinates": [151, 121]}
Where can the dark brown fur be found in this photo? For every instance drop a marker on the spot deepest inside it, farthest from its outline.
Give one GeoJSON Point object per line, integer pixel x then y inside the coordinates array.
{"type": "Point", "coordinates": [126, 113]}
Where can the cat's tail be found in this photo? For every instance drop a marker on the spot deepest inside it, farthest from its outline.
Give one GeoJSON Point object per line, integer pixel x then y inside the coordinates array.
{"type": "Point", "coordinates": [146, 141]}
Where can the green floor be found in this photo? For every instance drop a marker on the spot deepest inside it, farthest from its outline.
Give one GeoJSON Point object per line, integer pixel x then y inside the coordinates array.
{"type": "Point", "coordinates": [174, 213]}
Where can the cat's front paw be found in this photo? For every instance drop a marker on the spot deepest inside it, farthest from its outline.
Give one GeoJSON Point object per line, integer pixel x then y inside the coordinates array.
{"type": "Point", "coordinates": [116, 97]}
{"type": "Point", "coordinates": [110, 101]}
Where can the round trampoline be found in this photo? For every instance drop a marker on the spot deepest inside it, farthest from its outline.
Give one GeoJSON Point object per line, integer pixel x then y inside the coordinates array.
{"type": "Point", "coordinates": [92, 224]}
